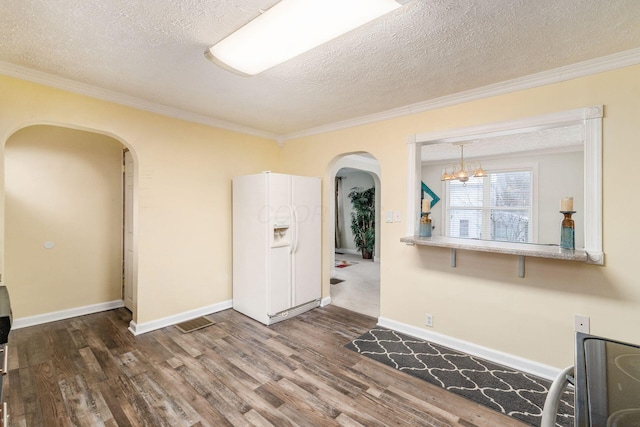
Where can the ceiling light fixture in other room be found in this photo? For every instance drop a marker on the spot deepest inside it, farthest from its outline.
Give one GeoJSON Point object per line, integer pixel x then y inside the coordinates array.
{"type": "Point", "coordinates": [462, 171]}
{"type": "Point", "coordinates": [290, 28]}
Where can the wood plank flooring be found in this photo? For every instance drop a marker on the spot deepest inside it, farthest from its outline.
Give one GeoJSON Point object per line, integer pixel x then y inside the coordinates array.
{"type": "Point", "coordinates": [90, 371]}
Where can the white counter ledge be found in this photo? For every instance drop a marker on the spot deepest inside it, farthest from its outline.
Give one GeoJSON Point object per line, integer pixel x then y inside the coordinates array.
{"type": "Point", "coordinates": [519, 249]}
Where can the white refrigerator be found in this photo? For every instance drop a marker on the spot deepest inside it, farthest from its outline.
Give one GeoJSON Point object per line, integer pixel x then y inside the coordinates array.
{"type": "Point", "coordinates": [276, 245]}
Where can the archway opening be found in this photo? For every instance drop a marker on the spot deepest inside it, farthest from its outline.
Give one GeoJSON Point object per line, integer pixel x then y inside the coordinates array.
{"type": "Point", "coordinates": [63, 235]}
{"type": "Point", "coordinates": [355, 279]}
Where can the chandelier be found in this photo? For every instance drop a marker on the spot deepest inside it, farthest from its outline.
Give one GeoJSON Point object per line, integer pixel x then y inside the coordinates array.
{"type": "Point", "coordinates": [463, 170]}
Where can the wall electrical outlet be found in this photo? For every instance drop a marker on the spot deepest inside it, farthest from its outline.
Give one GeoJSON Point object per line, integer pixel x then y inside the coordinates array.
{"type": "Point", "coordinates": [428, 320]}
{"type": "Point", "coordinates": [582, 323]}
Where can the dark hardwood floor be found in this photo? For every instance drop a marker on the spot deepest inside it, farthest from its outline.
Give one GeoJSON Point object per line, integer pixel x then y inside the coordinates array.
{"type": "Point", "coordinates": [90, 371]}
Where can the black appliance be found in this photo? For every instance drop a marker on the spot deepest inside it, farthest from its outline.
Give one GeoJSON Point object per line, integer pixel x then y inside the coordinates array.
{"type": "Point", "coordinates": [607, 382]}
{"type": "Point", "coordinates": [6, 319]}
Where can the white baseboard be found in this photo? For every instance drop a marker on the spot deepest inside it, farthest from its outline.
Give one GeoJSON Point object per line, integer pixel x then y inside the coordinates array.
{"type": "Point", "coordinates": [515, 362]}
{"type": "Point", "coordinates": [142, 328]}
{"type": "Point", "coordinates": [509, 360]}
{"type": "Point", "coordinates": [23, 322]}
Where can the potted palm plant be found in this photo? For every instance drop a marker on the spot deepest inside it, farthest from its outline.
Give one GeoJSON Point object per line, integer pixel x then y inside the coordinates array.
{"type": "Point", "coordinates": [363, 219]}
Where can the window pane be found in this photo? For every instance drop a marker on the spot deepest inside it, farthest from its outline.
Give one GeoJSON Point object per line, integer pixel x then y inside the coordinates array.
{"type": "Point", "coordinates": [465, 223]}
{"type": "Point", "coordinates": [469, 195]}
{"type": "Point", "coordinates": [510, 225]}
{"type": "Point", "coordinates": [511, 189]}
{"type": "Point", "coordinates": [494, 208]}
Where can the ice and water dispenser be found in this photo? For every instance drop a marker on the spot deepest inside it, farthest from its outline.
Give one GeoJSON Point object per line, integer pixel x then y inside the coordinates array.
{"type": "Point", "coordinates": [281, 235]}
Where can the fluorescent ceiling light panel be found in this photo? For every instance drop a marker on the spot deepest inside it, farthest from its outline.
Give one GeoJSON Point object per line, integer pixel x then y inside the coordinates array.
{"type": "Point", "coordinates": [290, 28]}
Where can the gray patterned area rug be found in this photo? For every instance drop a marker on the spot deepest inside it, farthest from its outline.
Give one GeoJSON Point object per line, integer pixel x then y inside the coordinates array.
{"type": "Point", "coordinates": [503, 389]}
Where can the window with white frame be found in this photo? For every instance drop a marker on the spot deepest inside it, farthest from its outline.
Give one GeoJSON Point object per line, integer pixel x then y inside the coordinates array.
{"type": "Point", "coordinates": [498, 207]}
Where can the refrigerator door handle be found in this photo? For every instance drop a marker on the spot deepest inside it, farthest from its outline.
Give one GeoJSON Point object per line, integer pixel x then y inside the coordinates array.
{"type": "Point", "coordinates": [294, 224]}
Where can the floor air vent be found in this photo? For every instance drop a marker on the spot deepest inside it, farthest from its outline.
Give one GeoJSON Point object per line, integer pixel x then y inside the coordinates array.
{"type": "Point", "coordinates": [194, 324]}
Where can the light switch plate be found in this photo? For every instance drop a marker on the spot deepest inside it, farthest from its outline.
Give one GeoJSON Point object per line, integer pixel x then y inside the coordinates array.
{"type": "Point", "coordinates": [388, 216]}
{"type": "Point", "coordinates": [398, 216]}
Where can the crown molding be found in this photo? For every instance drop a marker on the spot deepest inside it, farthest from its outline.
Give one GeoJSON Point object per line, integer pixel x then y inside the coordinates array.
{"type": "Point", "coordinates": [556, 75]}
{"type": "Point", "coordinates": [35, 76]}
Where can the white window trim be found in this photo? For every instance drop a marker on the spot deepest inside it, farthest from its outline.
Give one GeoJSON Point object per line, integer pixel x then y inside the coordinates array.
{"type": "Point", "coordinates": [591, 120]}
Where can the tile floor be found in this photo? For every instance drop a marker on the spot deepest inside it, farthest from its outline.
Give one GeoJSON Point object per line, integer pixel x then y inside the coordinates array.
{"type": "Point", "coordinates": [360, 290]}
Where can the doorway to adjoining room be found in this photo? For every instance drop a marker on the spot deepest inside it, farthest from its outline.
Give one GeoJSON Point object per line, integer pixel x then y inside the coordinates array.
{"type": "Point", "coordinates": [355, 276]}
{"type": "Point", "coordinates": [64, 213]}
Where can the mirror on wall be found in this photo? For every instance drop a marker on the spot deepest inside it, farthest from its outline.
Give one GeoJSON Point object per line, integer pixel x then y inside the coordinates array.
{"type": "Point", "coordinates": [525, 168]}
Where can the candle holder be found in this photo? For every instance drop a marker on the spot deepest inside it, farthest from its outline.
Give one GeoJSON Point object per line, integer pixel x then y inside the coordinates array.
{"type": "Point", "coordinates": [567, 234]}
{"type": "Point", "coordinates": [425, 225]}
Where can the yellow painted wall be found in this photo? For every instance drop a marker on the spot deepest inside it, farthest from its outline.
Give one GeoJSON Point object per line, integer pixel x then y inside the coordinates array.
{"type": "Point", "coordinates": [62, 187]}
{"type": "Point", "coordinates": [184, 214]}
{"type": "Point", "coordinates": [482, 300]}
{"type": "Point", "coordinates": [183, 190]}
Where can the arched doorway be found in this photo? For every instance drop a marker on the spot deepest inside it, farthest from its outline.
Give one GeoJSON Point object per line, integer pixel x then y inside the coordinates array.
{"type": "Point", "coordinates": [63, 222]}
{"type": "Point", "coordinates": [355, 281]}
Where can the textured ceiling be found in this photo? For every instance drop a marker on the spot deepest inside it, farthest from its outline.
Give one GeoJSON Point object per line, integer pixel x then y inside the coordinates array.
{"type": "Point", "coordinates": [513, 144]}
{"type": "Point", "coordinates": [154, 50]}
